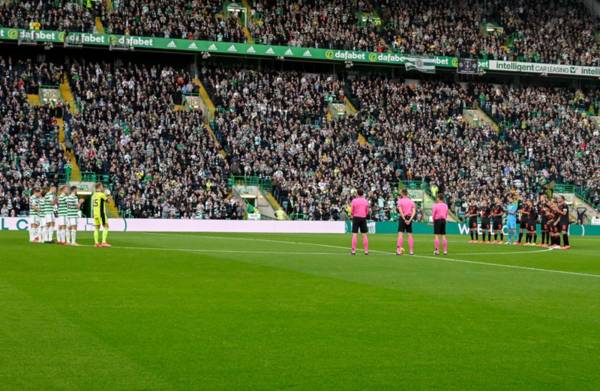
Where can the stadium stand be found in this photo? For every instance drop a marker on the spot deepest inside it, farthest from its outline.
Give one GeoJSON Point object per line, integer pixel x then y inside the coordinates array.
{"type": "Point", "coordinates": [61, 15]}
{"type": "Point", "coordinates": [556, 31]}
{"type": "Point", "coordinates": [29, 153]}
{"type": "Point", "coordinates": [175, 19]}
{"type": "Point", "coordinates": [161, 162]}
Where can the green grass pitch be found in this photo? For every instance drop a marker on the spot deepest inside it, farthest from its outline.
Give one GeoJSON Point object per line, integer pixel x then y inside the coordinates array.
{"type": "Point", "coordinates": [297, 312]}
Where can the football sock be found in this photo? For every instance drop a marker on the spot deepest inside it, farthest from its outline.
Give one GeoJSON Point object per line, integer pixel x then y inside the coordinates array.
{"type": "Point", "coordinates": [445, 244]}
{"type": "Point", "coordinates": [489, 236]}
{"type": "Point", "coordinates": [411, 243]}
{"type": "Point", "coordinates": [520, 236]}
{"type": "Point", "coordinates": [67, 236]}
{"type": "Point", "coordinates": [472, 234]}
{"type": "Point", "coordinates": [104, 234]}
{"type": "Point", "coordinates": [366, 243]}
{"type": "Point", "coordinates": [96, 235]}
{"type": "Point", "coordinates": [73, 236]}
{"type": "Point", "coordinates": [535, 238]}
{"type": "Point", "coordinates": [400, 243]}
{"type": "Point", "coordinates": [495, 235]}
{"type": "Point", "coordinates": [565, 239]}
{"type": "Point", "coordinates": [501, 236]}
{"type": "Point", "coordinates": [436, 244]}
{"type": "Point", "coordinates": [354, 241]}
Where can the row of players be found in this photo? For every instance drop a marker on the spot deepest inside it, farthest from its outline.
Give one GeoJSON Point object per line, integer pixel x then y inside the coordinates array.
{"type": "Point", "coordinates": [47, 211]}
{"type": "Point", "coordinates": [524, 217]}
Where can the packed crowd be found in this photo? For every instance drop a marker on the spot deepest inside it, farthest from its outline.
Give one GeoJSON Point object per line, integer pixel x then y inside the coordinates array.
{"type": "Point", "coordinates": [274, 125]}
{"type": "Point", "coordinates": [161, 162]}
{"type": "Point", "coordinates": [61, 15]}
{"type": "Point", "coordinates": [556, 31]}
{"type": "Point", "coordinates": [277, 125]}
{"type": "Point", "coordinates": [197, 19]}
{"type": "Point", "coordinates": [552, 130]}
{"type": "Point", "coordinates": [29, 153]}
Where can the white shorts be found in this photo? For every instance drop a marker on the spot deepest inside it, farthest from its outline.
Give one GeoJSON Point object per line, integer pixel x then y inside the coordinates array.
{"type": "Point", "coordinates": [47, 219]}
{"type": "Point", "coordinates": [34, 220]}
{"type": "Point", "coordinates": [72, 221]}
{"type": "Point", "coordinates": [62, 220]}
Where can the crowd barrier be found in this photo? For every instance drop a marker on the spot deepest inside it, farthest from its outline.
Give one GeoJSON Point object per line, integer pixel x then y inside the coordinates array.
{"type": "Point", "coordinates": [181, 225]}
{"type": "Point", "coordinates": [265, 226]}
{"type": "Point", "coordinates": [390, 227]}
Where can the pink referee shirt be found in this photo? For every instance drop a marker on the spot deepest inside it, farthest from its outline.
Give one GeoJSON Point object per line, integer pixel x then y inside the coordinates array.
{"type": "Point", "coordinates": [406, 205]}
{"type": "Point", "coordinates": [360, 207]}
{"type": "Point", "coordinates": [439, 211]}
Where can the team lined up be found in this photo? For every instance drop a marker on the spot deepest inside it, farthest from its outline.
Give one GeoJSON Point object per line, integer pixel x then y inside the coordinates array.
{"type": "Point", "coordinates": [522, 219]}
{"type": "Point", "coordinates": [49, 211]}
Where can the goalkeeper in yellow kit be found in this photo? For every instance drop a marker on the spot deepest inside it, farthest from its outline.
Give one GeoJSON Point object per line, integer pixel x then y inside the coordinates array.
{"type": "Point", "coordinates": [99, 200]}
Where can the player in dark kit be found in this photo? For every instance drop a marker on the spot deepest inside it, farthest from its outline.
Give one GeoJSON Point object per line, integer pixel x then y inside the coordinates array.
{"type": "Point", "coordinates": [543, 211]}
{"type": "Point", "coordinates": [553, 224]}
{"type": "Point", "coordinates": [523, 219]}
{"type": "Point", "coordinates": [563, 221]}
{"type": "Point", "coordinates": [486, 215]}
{"type": "Point", "coordinates": [471, 215]}
{"type": "Point", "coordinates": [532, 219]}
{"type": "Point", "coordinates": [497, 214]}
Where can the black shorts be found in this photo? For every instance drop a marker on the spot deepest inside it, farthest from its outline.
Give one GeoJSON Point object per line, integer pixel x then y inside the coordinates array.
{"type": "Point", "coordinates": [485, 223]}
{"type": "Point", "coordinates": [473, 223]}
{"type": "Point", "coordinates": [359, 223]}
{"type": "Point", "coordinates": [439, 227]}
{"type": "Point", "coordinates": [523, 224]}
{"type": "Point", "coordinates": [497, 225]}
{"type": "Point", "coordinates": [403, 227]}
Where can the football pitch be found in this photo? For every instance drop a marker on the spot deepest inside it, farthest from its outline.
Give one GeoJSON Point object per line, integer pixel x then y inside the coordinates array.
{"type": "Point", "coordinates": [297, 312]}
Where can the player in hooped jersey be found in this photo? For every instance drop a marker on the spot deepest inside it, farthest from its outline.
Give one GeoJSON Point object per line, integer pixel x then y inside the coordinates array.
{"type": "Point", "coordinates": [439, 213]}
{"type": "Point", "coordinates": [407, 210]}
{"type": "Point", "coordinates": [73, 205]}
{"type": "Point", "coordinates": [48, 214]}
{"type": "Point", "coordinates": [61, 235]}
{"type": "Point", "coordinates": [359, 210]}
{"type": "Point", "coordinates": [35, 216]}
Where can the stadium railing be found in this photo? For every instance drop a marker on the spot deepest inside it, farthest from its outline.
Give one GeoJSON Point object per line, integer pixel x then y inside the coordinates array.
{"type": "Point", "coordinates": [262, 183]}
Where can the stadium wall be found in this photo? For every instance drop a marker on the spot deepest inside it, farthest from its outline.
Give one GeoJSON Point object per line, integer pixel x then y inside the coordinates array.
{"type": "Point", "coordinates": [391, 227]}
{"type": "Point", "coordinates": [264, 226]}
{"type": "Point", "coordinates": [180, 225]}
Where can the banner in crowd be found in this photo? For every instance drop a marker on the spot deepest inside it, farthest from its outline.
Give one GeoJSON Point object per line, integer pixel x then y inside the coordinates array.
{"type": "Point", "coordinates": [391, 227]}
{"type": "Point", "coordinates": [186, 225]}
{"type": "Point", "coordinates": [228, 48]}
{"type": "Point", "coordinates": [532, 67]}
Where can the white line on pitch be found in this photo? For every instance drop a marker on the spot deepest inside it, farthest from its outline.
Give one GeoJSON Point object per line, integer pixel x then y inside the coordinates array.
{"type": "Point", "coordinates": [208, 251]}
{"type": "Point", "coordinates": [437, 258]}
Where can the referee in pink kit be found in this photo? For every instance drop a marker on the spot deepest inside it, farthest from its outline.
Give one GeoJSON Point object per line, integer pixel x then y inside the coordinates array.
{"type": "Point", "coordinates": [439, 213]}
{"type": "Point", "coordinates": [359, 212]}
